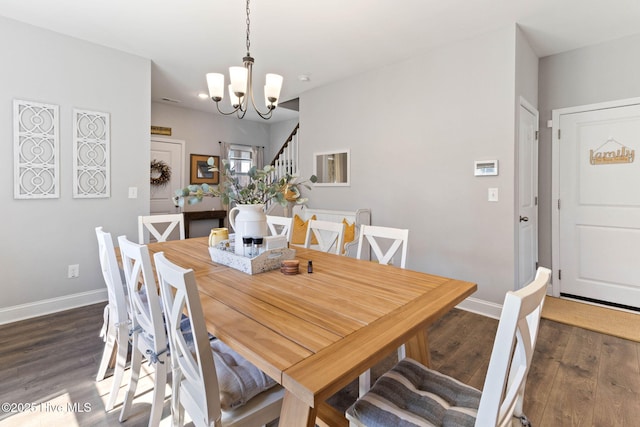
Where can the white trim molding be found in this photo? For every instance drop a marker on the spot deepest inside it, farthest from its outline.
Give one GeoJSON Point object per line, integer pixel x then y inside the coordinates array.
{"type": "Point", "coordinates": [478, 306]}
{"type": "Point", "coordinates": [53, 305]}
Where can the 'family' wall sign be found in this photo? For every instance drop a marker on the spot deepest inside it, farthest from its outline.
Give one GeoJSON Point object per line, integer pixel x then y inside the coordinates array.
{"type": "Point", "coordinates": [611, 152]}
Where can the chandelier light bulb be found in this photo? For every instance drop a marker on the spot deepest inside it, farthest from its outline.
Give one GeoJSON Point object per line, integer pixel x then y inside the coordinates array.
{"type": "Point", "coordinates": [238, 77]}
{"type": "Point", "coordinates": [215, 82]}
{"type": "Point", "coordinates": [272, 88]}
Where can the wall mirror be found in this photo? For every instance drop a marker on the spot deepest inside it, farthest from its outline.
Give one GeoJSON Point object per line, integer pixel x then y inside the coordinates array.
{"type": "Point", "coordinates": [332, 168]}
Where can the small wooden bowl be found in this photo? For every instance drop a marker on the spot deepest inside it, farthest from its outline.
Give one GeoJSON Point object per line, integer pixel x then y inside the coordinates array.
{"type": "Point", "coordinates": [290, 266]}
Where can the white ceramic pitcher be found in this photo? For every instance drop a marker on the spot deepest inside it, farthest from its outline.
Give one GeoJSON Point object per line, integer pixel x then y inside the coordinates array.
{"type": "Point", "coordinates": [247, 220]}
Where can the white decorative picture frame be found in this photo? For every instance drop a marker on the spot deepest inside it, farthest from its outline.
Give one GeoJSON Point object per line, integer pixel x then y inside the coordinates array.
{"type": "Point", "coordinates": [36, 150]}
{"type": "Point", "coordinates": [91, 161]}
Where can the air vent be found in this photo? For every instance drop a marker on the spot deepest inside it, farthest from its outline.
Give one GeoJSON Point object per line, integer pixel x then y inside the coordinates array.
{"type": "Point", "coordinates": [175, 101]}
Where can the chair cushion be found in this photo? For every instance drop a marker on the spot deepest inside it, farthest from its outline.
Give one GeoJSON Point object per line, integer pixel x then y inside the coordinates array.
{"type": "Point", "coordinates": [299, 232]}
{"type": "Point", "coordinates": [349, 233]}
{"type": "Point", "coordinates": [411, 394]}
{"type": "Point", "coordinates": [238, 380]}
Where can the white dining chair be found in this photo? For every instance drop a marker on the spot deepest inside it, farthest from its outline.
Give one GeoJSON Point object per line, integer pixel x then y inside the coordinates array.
{"type": "Point", "coordinates": [393, 240]}
{"type": "Point", "coordinates": [207, 376]}
{"type": "Point", "coordinates": [328, 233]}
{"type": "Point", "coordinates": [437, 399]}
{"type": "Point", "coordinates": [115, 330]}
{"type": "Point", "coordinates": [148, 335]}
{"type": "Point", "coordinates": [396, 239]}
{"type": "Point", "coordinates": [280, 226]}
{"type": "Point", "coordinates": [153, 224]}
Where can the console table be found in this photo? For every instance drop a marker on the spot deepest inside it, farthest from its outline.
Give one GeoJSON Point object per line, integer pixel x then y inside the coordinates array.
{"type": "Point", "coordinates": [197, 215]}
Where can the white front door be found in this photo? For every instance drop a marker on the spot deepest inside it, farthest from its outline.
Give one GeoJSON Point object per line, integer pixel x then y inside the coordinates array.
{"type": "Point", "coordinates": [170, 151]}
{"type": "Point", "coordinates": [527, 193]}
{"type": "Point", "coordinates": [598, 212]}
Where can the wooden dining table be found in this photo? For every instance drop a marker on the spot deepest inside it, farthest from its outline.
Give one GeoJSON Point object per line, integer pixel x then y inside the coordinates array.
{"type": "Point", "coordinates": [314, 333]}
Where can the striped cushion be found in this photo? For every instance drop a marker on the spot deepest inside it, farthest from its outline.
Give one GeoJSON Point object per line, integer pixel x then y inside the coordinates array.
{"type": "Point", "coordinates": [238, 379]}
{"type": "Point", "coordinates": [412, 395]}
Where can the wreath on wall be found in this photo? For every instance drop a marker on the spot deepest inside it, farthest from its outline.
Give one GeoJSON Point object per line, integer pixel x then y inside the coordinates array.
{"type": "Point", "coordinates": [160, 172]}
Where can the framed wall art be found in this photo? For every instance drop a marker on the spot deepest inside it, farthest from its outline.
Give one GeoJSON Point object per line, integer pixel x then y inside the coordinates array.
{"type": "Point", "coordinates": [36, 149]}
{"type": "Point", "coordinates": [91, 140]}
{"type": "Point", "coordinates": [200, 173]}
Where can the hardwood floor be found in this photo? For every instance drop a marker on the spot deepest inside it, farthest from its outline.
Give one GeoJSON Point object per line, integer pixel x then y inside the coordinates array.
{"type": "Point", "coordinates": [578, 377]}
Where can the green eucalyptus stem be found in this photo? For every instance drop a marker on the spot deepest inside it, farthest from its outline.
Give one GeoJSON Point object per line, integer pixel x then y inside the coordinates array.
{"type": "Point", "coordinates": [260, 189]}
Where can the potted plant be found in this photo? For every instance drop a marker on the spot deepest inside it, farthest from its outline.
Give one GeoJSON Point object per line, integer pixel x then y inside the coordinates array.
{"type": "Point", "coordinates": [247, 217]}
{"type": "Point", "coordinates": [260, 189]}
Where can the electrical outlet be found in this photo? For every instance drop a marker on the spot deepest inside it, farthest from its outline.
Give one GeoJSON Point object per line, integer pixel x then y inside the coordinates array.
{"type": "Point", "coordinates": [74, 271]}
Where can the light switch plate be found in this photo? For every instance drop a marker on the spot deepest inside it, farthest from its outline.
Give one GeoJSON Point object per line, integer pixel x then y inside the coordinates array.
{"type": "Point", "coordinates": [493, 195]}
{"type": "Point", "coordinates": [133, 192]}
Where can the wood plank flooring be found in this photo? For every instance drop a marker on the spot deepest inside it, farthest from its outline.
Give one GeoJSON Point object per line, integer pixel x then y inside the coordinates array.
{"type": "Point", "coordinates": [578, 377]}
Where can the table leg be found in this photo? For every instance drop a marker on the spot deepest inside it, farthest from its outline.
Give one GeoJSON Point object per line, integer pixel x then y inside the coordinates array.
{"type": "Point", "coordinates": [417, 348]}
{"type": "Point", "coordinates": [296, 413]}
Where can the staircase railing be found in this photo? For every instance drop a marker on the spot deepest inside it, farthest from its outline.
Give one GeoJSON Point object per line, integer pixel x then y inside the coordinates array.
{"type": "Point", "coordinates": [286, 160]}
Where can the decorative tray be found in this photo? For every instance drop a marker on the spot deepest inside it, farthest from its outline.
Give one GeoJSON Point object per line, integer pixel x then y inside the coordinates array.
{"type": "Point", "coordinates": [266, 261]}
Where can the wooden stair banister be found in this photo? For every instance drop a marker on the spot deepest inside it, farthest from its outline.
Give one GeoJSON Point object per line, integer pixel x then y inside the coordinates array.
{"type": "Point", "coordinates": [286, 144]}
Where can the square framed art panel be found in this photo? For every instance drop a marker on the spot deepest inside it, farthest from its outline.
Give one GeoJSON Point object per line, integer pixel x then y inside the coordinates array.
{"type": "Point", "coordinates": [200, 173]}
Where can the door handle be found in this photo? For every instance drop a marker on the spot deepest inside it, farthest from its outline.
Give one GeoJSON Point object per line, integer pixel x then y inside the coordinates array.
{"type": "Point", "coordinates": [524, 218]}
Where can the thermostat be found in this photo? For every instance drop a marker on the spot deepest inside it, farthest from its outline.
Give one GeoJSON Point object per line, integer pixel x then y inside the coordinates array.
{"type": "Point", "coordinates": [486, 167]}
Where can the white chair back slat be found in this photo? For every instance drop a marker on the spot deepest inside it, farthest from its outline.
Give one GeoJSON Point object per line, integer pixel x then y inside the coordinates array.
{"type": "Point", "coordinates": [503, 390]}
{"type": "Point", "coordinates": [148, 335]}
{"type": "Point", "coordinates": [196, 382]}
{"type": "Point", "coordinates": [195, 387]}
{"type": "Point", "coordinates": [143, 293]}
{"type": "Point", "coordinates": [150, 222]}
{"type": "Point", "coordinates": [375, 234]}
{"type": "Point", "coordinates": [328, 234]}
{"type": "Point", "coordinates": [115, 330]}
{"type": "Point", "coordinates": [284, 223]}
{"type": "Point", "coordinates": [112, 277]}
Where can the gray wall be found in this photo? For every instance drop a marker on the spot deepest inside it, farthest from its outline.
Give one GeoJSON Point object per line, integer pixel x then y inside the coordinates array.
{"type": "Point", "coordinates": [599, 73]}
{"type": "Point", "coordinates": [413, 142]}
{"type": "Point", "coordinates": [42, 237]}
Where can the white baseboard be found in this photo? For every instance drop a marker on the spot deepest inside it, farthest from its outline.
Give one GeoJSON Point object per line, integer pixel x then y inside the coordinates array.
{"type": "Point", "coordinates": [482, 307]}
{"type": "Point", "coordinates": [53, 305]}
{"type": "Point", "coordinates": [486, 308]}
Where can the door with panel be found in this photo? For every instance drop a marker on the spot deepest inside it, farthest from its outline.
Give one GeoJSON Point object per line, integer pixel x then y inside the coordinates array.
{"type": "Point", "coordinates": [172, 153]}
{"type": "Point", "coordinates": [527, 214]}
{"type": "Point", "coordinates": [599, 204]}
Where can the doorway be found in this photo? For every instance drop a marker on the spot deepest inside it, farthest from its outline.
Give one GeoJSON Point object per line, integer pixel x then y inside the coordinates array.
{"type": "Point", "coordinates": [527, 220]}
{"type": "Point", "coordinates": [172, 153]}
{"type": "Point", "coordinates": [596, 203]}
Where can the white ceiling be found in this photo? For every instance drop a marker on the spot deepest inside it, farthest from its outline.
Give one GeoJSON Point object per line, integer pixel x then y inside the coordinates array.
{"type": "Point", "coordinates": [327, 40]}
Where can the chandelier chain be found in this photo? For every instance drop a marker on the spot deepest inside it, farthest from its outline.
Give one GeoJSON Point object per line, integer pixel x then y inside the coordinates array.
{"type": "Point", "coordinates": [248, 31]}
{"type": "Point", "coordinates": [242, 98]}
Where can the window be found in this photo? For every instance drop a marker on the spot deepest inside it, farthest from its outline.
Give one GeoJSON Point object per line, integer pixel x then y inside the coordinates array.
{"type": "Point", "coordinates": [241, 159]}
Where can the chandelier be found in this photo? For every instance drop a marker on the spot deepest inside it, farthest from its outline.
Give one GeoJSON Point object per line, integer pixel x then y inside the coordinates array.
{"type": "Point", "coordinates": [241, 87]}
